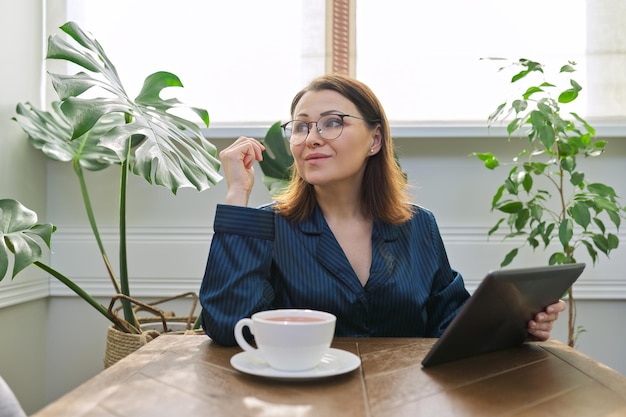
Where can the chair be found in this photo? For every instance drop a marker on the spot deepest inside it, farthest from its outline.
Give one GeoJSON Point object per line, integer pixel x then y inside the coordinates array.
{"type": "Point", "coordinates": [9, 405]}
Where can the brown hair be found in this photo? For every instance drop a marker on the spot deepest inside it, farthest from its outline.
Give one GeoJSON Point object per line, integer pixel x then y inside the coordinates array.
{"type": "Point", "coordinates": [384, 190]}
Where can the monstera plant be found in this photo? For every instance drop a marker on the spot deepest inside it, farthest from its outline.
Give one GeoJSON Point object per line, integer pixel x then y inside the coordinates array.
{"type": "Point", "coordinates": [277, 160]}
{"type": "Point", "coordinates": [96, 125]}
{"type": "Point", "coordinates": [546, 199]}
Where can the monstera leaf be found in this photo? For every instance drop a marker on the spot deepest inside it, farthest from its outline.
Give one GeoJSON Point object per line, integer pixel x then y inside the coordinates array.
{"type": "Point", "coordinates": [51, 133]}
{"type": "Point", "coordinates": [277, 160]}
{"type": "Point", "coordinates": [21, 238]}
{"type": "Point", "coordinates": [160, 146]}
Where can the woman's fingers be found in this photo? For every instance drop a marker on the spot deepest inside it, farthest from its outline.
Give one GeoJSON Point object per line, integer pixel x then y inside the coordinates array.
{"type": "Point", "coordinates": [244, 149]}
{"type": "Point", "coordinates": [543, 322]}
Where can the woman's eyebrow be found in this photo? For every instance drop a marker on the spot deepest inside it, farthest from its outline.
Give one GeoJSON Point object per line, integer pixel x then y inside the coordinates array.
{"type": "Point", "coordinates": [326, 113]}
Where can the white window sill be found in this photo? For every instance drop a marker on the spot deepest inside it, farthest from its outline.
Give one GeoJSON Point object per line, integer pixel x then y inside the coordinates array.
{"type": "Point", "coordinates": [604, 129]}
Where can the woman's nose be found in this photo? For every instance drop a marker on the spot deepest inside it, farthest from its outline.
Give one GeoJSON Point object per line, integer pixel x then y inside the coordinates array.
{"type": "Point", "coordinates": [314, 136]}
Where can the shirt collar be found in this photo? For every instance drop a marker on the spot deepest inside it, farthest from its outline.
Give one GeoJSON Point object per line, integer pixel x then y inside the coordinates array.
{"type": "Point", "coordinates": [315, 225]}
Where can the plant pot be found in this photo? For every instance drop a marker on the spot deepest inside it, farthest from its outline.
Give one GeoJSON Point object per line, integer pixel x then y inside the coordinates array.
{"type": "Point", "coordinates": [119, 344]}
{"type": "Point", "coordinates": [173, 325]}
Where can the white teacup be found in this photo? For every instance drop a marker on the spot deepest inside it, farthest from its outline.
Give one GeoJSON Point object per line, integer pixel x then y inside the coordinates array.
{"type": "Point", "coordinates": [288, 339]}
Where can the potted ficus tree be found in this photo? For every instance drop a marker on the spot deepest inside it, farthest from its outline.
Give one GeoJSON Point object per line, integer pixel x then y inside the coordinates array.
{"type": "Point", "coordinates": [546, 199]}
{"type": "Point", "coordinates": [97, 125]}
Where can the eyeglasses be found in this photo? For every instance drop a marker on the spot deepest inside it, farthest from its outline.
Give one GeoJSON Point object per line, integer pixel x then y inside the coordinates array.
{"type": "Point", "coordinates": [328, 127]}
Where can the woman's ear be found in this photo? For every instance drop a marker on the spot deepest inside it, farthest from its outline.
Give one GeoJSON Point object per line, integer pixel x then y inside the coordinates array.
{"type": "Point", "coordinates": [377, 140]}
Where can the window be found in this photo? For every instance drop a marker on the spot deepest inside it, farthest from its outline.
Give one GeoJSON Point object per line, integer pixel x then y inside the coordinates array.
{"type": "Point", "coordinates": [424, 58]}
{"type": "Point", "coordinates": [244, 60]}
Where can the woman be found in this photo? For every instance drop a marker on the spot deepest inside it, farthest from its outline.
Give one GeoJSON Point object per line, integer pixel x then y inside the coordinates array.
{"type": "Point", "coordinates": [342, 238]}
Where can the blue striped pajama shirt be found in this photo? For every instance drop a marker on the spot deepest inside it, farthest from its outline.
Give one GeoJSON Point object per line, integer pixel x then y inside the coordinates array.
{"type": "Point", "coordinates": [258, 261]}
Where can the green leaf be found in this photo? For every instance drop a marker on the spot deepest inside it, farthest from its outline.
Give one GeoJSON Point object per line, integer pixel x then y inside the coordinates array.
{"type": "Point", "coordinates": [537, 119]}
{"type": "Point", "coordinates": [509, 257]}
{"type": "Point", "coordinates": [511, 185]}
{"type": "Point", "coordinates": [21, 238]}
{"type": "Point", "coordinates": [547, 236]}
{"type": "Point", "coordinates": [511, 207]}
{"type": "Point", "coordinates": [566, 232]}
{"type": "Point", "coordinates": [519, 105]}
{"type": "Point", "coordinates": [601, 243]}
{"type": "Point", "coordinates": [83, 114]}
{"type": "Point", "coordinates": [546, 136]}
{"type": "Point", "coordinates": [527, 183]}
{"type": "Point", "coordinates": [600, 224]}
{"type": "Point", "coordinates": [51, 133]}
{"type": "Point", "coordinates": [615, 217]}
{"type": "Point", "coordinates": [496, 197]}
{"type": "Point", "coordinates": [581, 215]}
{"type": "Point", "coordinates": [513, 126]}
{"type": "Point", "coordinates": [545, 106]}
{"type": "Point", "coordinates": [519, 75]}
{"type": "Point", "coordinates": [536, 212]}
{"type": "Point", "coordinates": [591, 251]}
{"type": "Point", "coordinates": [277, 160]}
{"type": "Point", "coordinates": [173, 152]}
{"type": "Point", "coordinates": [577, 178]}
{"type": "Point", "coordinates": [495, 227]}
{"type": "Point", "coordinates": [588, 127]}
{"type": "Point", "coordinates": [488, 158]}
{"type": "Point", "coordinates": [568, 163]}
{"type": "Point", "coordinates": [557, 258]}
{"type": "Point", "coordinates": [496, 113]}
{"type": "Point", "coordinates": [568, 96]}
{"type": "Point", "coordinates": [530, 91]}
{"type": "Point", "coordinates": [68, 86]}
{"type": "Point", "coordinates": [601, 203]}
{"type": "Point", "coordinates": [522, 219]}
{"type": "Point", "coordinates": [602, 190]}
{"type": "Point", "coordinates": [613, 241]}
{"type": "Point", "coordinates": [537, 168]}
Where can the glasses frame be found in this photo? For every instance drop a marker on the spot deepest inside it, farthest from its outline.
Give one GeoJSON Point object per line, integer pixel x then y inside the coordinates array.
{"type": "Point", "coordinates": [319, 130]}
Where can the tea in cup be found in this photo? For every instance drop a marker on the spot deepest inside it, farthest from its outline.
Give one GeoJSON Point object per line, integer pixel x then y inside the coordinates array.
{"type": "Point", "coordinates": [288, 339]}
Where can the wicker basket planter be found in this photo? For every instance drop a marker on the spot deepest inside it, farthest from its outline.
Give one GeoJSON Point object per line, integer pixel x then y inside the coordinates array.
{"type": "Point", "coordinates": [120, 344]}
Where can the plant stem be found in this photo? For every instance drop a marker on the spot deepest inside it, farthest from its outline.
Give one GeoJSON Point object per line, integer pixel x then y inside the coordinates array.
{"type": "Point", "coordinates": [128, 309]}
{"type": "Point", "coordinates": [568, 249]}
{"type": "Point", "coordinates": [81, 293]}
{"type": "Point", "coordinates": [571, 317]}
{"type": "Point", "coordinates": [92, 221]}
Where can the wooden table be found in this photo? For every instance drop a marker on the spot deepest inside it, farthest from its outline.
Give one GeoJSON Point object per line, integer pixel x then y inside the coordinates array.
{"type": "Point", "coordinates": [191, 376]}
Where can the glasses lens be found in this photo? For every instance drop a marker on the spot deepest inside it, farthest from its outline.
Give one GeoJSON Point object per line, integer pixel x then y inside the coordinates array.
{"type": "Point", "coordinates": [330, 127]}
{"type": "Point", "coordinates": [296, 131]}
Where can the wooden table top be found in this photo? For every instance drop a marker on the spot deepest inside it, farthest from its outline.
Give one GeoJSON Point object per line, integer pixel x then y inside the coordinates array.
{"type": "Point", "coordinates": [191, 376]}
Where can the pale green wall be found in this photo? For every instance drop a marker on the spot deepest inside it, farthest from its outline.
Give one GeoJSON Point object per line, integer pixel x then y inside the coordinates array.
{"type": "Point", "coordinates": [23, 177]}
{"type": "Point", "coordinates": [22, 359]}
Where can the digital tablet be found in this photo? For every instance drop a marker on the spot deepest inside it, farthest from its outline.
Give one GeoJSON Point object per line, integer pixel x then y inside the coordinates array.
{"type": "Point", "coordinates": [496, 316]}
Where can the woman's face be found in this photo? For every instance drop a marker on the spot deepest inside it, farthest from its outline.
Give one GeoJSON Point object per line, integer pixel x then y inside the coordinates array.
{"type": "Point", "coordinates": [342, 160]}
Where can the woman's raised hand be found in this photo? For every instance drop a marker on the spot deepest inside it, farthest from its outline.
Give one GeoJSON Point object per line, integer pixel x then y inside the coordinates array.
{"type": "Point", "coordinates": [237, 163]}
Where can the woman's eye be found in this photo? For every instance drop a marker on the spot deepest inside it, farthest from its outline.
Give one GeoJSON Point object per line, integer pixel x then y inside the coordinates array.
{"type": "Point", "coordinates": [333, 122]}
{"type": "Point", "coordinates": [300, 127]}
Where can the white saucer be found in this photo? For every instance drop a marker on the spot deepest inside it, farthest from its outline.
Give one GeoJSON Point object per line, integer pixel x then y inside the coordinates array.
{"type": "Point", "coordinates": [334, 362]}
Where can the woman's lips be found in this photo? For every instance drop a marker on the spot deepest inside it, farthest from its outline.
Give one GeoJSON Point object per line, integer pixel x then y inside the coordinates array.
{"type": "Point", "coordinates": [315, 156]}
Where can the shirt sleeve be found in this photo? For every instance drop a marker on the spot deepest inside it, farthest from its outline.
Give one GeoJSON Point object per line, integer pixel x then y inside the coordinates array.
{"type": "Point", "coordinates": [237, 280]}
{"type": "Point", "coordinates": [448, 292]}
